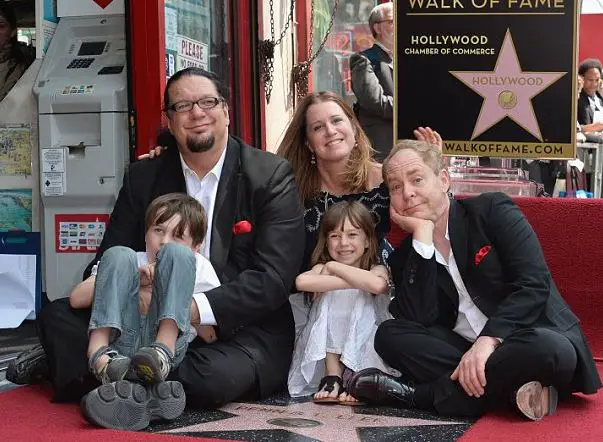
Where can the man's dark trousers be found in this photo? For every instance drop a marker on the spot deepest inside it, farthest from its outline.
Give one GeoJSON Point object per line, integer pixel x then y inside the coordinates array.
{"type": "Point", "coordinates": [429, 355]}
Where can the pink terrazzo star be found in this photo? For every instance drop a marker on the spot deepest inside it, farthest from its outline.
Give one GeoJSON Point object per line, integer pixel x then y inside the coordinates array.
{"type": "Point", "coordinates": [507, 91]}
{"type": "Point", "coordinates": [338, 423]}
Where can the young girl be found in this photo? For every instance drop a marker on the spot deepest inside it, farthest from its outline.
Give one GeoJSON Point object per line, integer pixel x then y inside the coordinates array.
{"type": "Point", "coordinates": [350, 299]}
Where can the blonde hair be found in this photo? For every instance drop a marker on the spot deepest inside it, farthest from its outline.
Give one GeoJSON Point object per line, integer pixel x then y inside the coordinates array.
{"type": "Point", "coordinates": [429, 153]}
{"type": "Point", "coordinates": [294, 148]}
{"type": "Point", "coordinates": [360, 217]}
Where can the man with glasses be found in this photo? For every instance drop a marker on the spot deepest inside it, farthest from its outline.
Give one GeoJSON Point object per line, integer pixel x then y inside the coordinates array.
{"type": "Point", "coordinates": [255, 221]}
{"type": "Point", "coordinates": [372, 81]}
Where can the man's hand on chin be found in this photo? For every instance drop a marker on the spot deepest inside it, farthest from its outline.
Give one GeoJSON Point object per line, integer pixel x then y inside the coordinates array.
{"type": "Point", "coordinates": [471, 371]}
{"type": "Point", "coordinates": [420, 229]}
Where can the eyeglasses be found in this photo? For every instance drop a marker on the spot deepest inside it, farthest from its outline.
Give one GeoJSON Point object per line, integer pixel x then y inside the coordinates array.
{"type": "Point", "coordinates": [205, 103]}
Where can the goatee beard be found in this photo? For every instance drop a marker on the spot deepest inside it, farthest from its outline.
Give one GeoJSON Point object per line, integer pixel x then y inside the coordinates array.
{"type": "Point", "coordinates": [197, 145]}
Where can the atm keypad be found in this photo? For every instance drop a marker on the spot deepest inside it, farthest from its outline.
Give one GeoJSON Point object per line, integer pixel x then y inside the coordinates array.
{"type": "Point", "coordinates": [80, 63]}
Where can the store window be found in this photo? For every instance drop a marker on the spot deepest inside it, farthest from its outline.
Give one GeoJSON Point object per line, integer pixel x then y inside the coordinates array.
{"type": "Point", "coordinates": [196, 34]}
{"type": "Point", "coordinates": [350, 33]}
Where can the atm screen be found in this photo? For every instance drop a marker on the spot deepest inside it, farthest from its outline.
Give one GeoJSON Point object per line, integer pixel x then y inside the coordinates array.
{"type": "Point", "coordinates": [92, 48]}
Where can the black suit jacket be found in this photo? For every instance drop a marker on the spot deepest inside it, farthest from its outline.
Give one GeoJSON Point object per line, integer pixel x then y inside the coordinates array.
{"type": "Point", "coordinates": [585, 111]}
{"type": "Point", "coordinates": [373, 85]}
{"type": "Point", "coordinates": [511, 285]}
{"type": "Point", "coordinates": [256, 269]}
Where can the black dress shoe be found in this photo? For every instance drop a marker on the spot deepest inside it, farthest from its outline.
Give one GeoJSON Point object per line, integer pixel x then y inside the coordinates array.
{"type": "Point", "coordinates": [30, 367]}
{"type": "Point", "coordinates": [375, 387]}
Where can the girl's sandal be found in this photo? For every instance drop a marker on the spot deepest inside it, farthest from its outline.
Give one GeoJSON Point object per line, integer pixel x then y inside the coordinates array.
{"type": "Point", "coordinates": [328, 384]}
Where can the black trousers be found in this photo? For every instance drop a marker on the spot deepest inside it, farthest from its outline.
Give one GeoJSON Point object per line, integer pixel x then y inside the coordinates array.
{"type": "Point", "coordinates": [212, 375]}
{"type": "Point", "coordinates": [429, 355]}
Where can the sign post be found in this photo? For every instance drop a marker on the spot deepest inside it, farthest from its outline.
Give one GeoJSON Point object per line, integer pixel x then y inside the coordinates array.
{"type": "Point", "coordinates": [496, 78]}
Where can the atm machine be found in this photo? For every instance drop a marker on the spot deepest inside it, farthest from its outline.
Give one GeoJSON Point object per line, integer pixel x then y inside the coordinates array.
{"type": "Point", "coordinates": [83, 129]}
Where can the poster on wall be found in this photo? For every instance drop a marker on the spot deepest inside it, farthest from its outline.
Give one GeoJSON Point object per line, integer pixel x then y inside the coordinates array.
{"type": "Point", "coordinates": [15, 210]}
{"type": "Point", "coordinates": [15, 150]}
{"type": "Point", "coordinates": [496, 78]}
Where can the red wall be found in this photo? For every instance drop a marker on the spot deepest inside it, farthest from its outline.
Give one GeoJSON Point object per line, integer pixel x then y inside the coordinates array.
{"type": "Point", "coordinates": [591, 37]}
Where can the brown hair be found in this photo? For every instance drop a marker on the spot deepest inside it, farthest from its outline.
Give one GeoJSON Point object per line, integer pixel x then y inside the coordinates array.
{"type": "Point", "coordinates": [429, 153]}
{"type": "Point", "coordinates": [294, 149]}
{"type": "Point", "coordinates": [334, 218]}
{"type": "Point", "coordinates": [192, 215]}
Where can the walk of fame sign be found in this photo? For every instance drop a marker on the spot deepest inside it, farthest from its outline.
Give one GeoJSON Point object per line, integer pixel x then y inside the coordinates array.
{"type": "Point", "coordinates": [496, 78]}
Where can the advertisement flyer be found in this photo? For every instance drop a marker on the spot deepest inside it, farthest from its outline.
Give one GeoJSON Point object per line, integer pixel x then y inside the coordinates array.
{"type": "Point", "coordinates": [15, 150]}
{"type": "Point", "coordinates": [15, 210]}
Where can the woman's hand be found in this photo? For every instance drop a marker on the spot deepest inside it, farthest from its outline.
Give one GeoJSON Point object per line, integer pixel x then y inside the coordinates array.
{"type": "Point", "coordinates": [153, 153]}
{"type": "Point", "coordinates": [429, 135]}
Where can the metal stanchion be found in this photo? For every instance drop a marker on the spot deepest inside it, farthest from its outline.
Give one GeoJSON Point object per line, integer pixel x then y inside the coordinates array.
{"type": "Point", "coordinates": [594, 149]}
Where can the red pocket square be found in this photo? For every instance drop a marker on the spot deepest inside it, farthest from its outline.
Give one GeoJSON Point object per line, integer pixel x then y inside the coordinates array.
{"type": "Point", "coordinates": [241, 227]}
{"type": "Point", "coordinates": [481, 254]}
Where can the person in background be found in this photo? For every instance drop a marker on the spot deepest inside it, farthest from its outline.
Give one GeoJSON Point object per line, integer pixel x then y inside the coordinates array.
{"type": "Point", "coordinates": [478, 319]}
{"type": "Point", "coordinates": [15, 57]}
{"type": "Point", "coordinates": [372, 81]}
{"type": "Point", "coordinates": [590, 101]}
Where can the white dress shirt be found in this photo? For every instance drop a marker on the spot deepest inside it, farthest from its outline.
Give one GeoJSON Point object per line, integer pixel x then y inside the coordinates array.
{"type": "Point", "coordinates": [596, 103]}
{"type": "Point", "coordinates": [470, 321]}
{"type": "Point", "coordinates": [204, 190]}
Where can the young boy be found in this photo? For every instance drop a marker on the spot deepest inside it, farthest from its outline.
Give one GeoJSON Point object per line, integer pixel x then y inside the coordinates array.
{"type": "Point", "coordinates": [141, 301]}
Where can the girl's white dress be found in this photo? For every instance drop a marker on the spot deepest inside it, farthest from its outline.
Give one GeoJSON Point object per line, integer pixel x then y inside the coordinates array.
{"type": "Point", "coordinates": [342, 322]}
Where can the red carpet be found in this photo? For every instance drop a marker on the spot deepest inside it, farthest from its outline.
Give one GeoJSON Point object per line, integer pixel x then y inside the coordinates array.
{"type": "Point", "coordinates": [569, 230]}
{"type": "Point", "coordinates": [28, 415]}
{"type": "Point", "coordinates": [579, 418]}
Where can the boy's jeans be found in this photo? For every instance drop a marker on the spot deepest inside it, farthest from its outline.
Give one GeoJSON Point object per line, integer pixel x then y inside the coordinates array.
{"type": "Point", "coordinates": [115, 302]}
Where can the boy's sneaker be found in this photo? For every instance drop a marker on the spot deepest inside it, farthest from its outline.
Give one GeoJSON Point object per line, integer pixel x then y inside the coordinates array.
{"type": "Point", "coordinates": [126, 405]}
{"type": "Point", "coordinates": [116, 369]}
{"type": "Point", "coordinates": [153, 364]}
